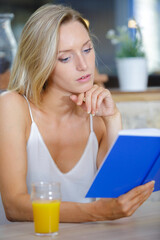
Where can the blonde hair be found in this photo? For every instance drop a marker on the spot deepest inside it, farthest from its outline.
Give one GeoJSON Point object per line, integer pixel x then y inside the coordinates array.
{"type": "Point", "coordinates": [37, 51]}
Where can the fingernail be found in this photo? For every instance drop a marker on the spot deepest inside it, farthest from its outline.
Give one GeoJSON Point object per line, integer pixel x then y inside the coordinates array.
{"type": "Point", "coordinates": [93, 114]}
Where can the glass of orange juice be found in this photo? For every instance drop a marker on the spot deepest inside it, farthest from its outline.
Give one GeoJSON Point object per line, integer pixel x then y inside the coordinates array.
{"type": "Point", "coordinates": [45, 198]}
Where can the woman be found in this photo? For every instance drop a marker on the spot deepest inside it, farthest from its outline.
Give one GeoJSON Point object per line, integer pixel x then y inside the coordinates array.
{"type": "Point", "coordinates": [47, 127]}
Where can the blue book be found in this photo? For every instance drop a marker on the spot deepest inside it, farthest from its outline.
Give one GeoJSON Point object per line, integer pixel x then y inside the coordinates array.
{"type": "Point", "coordinates": [134, 159]}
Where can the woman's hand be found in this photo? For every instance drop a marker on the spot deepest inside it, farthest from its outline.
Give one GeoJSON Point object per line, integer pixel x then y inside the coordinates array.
{"type": "Point", "coordinates": [123, 206]}
{"type": "Point", "coordinates": [97, 101]}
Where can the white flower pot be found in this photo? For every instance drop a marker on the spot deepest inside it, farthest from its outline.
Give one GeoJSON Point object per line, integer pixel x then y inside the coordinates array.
{"type": "Point", "coordinates": [132, 73]}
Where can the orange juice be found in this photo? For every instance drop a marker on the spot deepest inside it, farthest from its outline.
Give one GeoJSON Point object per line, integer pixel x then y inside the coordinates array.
{"type": "Point", "coordinates": [46, 216]}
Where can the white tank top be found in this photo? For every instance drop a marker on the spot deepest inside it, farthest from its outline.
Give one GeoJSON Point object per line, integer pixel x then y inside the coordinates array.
{"type": "Point", "coordinates": [41, 166]}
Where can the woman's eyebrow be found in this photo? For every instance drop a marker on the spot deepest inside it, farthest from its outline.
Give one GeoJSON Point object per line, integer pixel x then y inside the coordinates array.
{"type": "Point", "coordinates": [68, 50]}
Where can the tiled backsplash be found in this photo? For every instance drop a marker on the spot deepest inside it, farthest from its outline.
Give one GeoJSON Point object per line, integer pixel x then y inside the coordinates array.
{"type": "Point", "coordinates": [140, 114]}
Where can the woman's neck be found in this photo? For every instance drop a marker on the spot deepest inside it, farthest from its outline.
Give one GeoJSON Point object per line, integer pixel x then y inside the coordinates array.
{"type": "Point", "coordinates": [58, 102]}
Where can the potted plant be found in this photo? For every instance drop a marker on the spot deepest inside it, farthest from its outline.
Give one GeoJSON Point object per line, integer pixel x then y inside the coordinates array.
{"type": "Point", "coordinates": [130, 57]}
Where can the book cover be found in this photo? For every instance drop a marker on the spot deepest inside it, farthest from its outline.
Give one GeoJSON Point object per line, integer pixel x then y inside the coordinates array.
{"type": "Point", "coordinates": [134, 159]}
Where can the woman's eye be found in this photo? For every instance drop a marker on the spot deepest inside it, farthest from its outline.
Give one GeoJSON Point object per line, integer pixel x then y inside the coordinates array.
{"type": "Point", "coordinates": [87, 50]}
{"type": "Point", "coordinates": [64, 60]}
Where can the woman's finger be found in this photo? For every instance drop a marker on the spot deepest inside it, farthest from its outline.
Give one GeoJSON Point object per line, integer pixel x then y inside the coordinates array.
{"type": "Point", "coordinates": [94, 99]}
{"type": "Point", "coordinates": [104, 95]}
{"type": "Point", "coordinates": [138, 191]}
{"type": "Point", "coordinates": [129, 202]}
{"type": "Point", "coordinates": [137, 202]}
{"type": "Point", "coordinates": [88, 100]}
{"type": "Point", "coordinates": [74, 98]}
{"type": "Point", "coordinates": [80, 99]}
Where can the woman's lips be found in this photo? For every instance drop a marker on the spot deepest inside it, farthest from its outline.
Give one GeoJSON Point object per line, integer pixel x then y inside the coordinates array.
{"type": "Point", "coordinates": [85, 78]}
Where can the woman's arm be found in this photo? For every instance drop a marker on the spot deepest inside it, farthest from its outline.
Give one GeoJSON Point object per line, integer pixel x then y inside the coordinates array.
{"type": "Point", "coordinates": [106, 209]}
{"type": "Point", "coordinates": [13, 160]}
{"type": "Point", "coordinates": [99, 102]}
{"type": "Point", "coordinates": [113, 125]}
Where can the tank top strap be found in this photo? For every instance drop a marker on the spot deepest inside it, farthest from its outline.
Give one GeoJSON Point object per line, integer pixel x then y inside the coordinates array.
{"type": "Point", "coordinates": [30, 111]}
{"type": "Point", "coordinates": [91, 122]}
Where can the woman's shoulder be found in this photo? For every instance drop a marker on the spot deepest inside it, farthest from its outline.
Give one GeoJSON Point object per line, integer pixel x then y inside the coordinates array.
{"type": "Point", "coordinates": [11, 99]}
{"type": "Point", "coordinates": [10, 95]}
{"type": "Point", "coordinates": [12, 104]}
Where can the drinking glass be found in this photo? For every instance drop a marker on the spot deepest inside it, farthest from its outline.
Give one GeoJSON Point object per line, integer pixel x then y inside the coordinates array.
{"type": "Point", "coordinates": [45, 197]}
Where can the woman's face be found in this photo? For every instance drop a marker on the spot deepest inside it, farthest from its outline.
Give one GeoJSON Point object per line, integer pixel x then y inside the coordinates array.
{"type": "Point", "coordinates": [74, 70]}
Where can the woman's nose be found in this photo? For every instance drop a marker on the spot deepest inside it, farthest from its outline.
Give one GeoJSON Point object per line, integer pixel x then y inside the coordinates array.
{"type": "Point", "coordinates": [81, 64]}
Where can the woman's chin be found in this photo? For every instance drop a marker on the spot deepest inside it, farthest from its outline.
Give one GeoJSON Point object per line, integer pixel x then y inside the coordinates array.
{"type": "Point", "coordinates": [86, 87]}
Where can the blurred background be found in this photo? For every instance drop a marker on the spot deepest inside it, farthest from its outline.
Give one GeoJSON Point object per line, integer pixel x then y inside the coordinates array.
{"type": "Point", "coordinates": [104, 15]}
